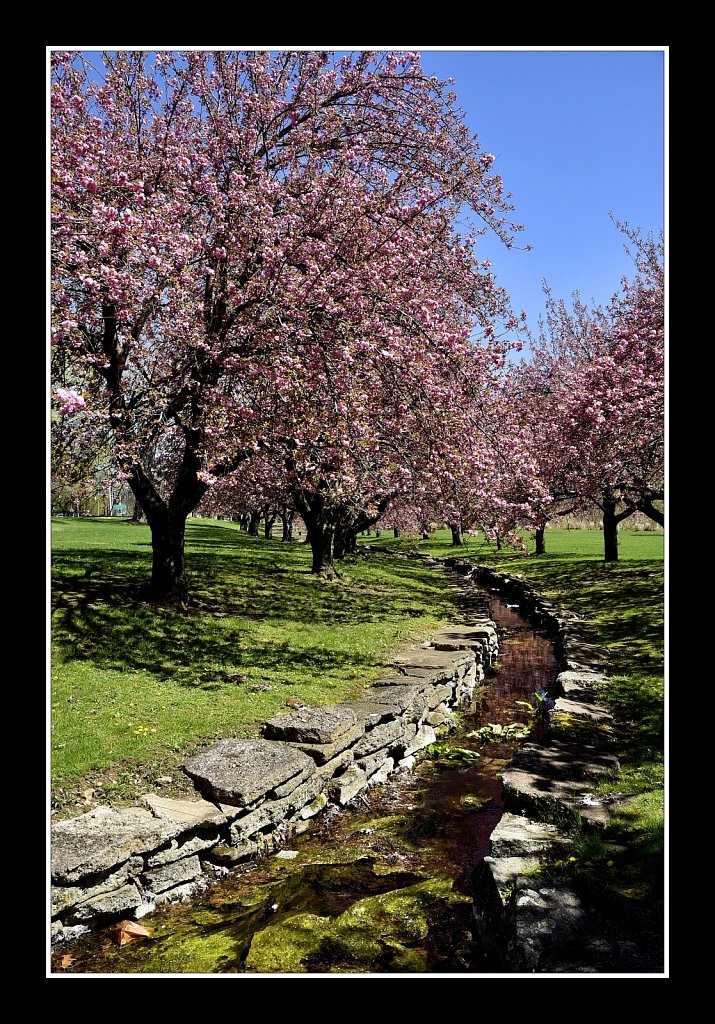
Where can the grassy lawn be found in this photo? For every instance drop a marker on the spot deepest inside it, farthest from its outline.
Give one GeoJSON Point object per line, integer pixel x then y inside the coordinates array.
{"type": "Point", "coordinates": [135, 688]}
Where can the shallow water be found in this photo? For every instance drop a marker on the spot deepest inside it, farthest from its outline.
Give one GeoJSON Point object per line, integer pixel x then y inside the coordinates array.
{"type": "Point", "coordinates": [384, 888]}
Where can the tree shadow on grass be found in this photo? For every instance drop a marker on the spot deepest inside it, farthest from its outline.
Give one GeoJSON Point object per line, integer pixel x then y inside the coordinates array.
{"type": "Point", "coordinates": [101, 614]}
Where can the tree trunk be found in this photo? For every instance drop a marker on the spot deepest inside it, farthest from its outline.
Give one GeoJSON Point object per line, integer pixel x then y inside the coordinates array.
{"type": "Point", "coordinates": [498, 540]}
{"type": "Point", "coordinates": [456, 534]}
{"type": "Point", "coordinates": [610, 533]}
{"type": "Point", "coordinates": [268, 526]}
{"type": "Point", "coordinates": [539, 537]}
{"type": "Point", "coordinates": [322, 543]}
{"type": "Point", "coordinates": [253, 521]}
{"type": "Point", "coordinates": [287, 524]}
{"type": "Point", "coordinates": [397, 531]}
{"type": "Point", "coordinates": [168, 575]}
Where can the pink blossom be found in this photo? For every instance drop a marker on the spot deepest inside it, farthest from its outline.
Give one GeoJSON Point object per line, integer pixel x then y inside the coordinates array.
{"type": "Point", "coordinates": [70, 401]}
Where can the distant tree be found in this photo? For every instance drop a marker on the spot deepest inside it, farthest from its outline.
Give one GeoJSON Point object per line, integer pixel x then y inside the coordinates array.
{"type": "Point", "coordinates": [592, 400]}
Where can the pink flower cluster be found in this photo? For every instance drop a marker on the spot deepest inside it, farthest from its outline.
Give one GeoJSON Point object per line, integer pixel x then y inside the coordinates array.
{"type": "Point", "coordinates": [70, 401]}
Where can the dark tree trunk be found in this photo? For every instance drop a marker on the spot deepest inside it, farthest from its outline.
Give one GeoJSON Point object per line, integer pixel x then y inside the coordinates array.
{"type": "Point", "coordinates": [167, 522]}
{"type": "Point", "coordinates": [539, 537]}
{"type": "Point", "coordinates": [168, 575]}
{"type": "Point", "coordinates": [498, 540]}
{"type": "Point", "coordinates": [253, 521]}
{"type": "Point", "coordinates": [322, 543]}
{"type": "Point", "coordinates": [611, 519]}
{"type": "Point", "coordinates": [397, 531]}
{"type": "Point", "coordinates": [610, 532]}
{"type": "Point", "coordinates": [456, 534]}
{"type": "Point", "coordinates": [268, 526]}
{"type": "Point", "coordinates": [287, 524]}
{"type": "Point", "coordinates": [243, 521]}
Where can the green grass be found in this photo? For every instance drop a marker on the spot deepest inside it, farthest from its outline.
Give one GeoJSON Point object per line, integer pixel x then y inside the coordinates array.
{"type": "Point", "coordinates": [136, 687]}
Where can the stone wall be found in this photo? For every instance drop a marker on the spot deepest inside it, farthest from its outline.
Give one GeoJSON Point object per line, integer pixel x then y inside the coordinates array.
{"type": "Point", "coordinates": [253, 794]}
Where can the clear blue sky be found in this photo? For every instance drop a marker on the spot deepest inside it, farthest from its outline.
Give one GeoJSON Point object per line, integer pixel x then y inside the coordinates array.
{"type": "Point", "coordinates": [576, 133]}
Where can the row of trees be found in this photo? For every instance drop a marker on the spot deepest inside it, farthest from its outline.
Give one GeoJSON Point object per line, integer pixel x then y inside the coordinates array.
{"type": "Point", "coordinates": [261, 301]}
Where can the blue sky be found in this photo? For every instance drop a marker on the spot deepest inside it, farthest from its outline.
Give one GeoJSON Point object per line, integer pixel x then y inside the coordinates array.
{"type": "Point", "coordinates": [576, 133]}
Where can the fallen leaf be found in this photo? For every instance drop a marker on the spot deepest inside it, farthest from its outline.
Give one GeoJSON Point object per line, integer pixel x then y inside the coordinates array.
{"type": "Point", "coordinates": [127, 931]}
{"type": "Point", "coordinates": [67, 960]}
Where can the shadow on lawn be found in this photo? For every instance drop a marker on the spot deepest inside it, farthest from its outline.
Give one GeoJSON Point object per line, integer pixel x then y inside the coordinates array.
{"type": "Point", "coordinates": [101, 615]}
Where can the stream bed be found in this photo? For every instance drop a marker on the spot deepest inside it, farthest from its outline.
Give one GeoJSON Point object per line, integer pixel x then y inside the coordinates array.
{"type": "Point", "coordinates": [381, 888]}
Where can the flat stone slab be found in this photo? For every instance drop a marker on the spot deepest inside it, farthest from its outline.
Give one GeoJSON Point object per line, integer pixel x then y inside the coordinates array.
{"type": "Point", "coordinates": [370, 713]}
{"type": "Point", "coordinates": [104, 838]}
{"type": "Point", "coordinates": [190, 813]}
{"type": "Point", "coordinates": [320, 753]}
{"type": "Point", "coordinates": [517, 836]}
{"type": "Point", "coordinates": [237, 772]}
{"type": "Point", "coordinates": [580, 685]}
{"type": "Point", "coordinates": [428, 658]}
{"type": "Point", "coordinates": [127, 898]}
{"type": "Point", "coordinates": [551, 781]}
{"type": "Point", "coordinates": [401, 697]}
{"type": "Point", "coordinates": [470, 637]}
{"type": "Point", "coordinates": [311, 725]}
{"type": "Point", "coordinates": [168, 876]}
{"type": "Point", "coordinates": [592, 712]}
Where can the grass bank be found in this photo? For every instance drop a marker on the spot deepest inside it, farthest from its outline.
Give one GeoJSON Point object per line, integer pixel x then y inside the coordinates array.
{"type": "Point", "coordinates": [135, 688]}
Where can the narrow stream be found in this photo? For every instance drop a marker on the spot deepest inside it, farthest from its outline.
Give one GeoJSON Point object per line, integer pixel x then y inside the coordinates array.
{"type": "Point", "coordinates": [381, 889]}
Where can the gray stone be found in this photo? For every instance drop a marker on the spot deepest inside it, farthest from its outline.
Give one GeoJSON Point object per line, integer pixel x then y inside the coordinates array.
{"type": "Point", "coordinates": [400, 679]}
{"type": "Point", "coordinates": [440, 694]}
{"type": "Point", "coordinates": [424, 736]}
{"type": "Point", "coordinates": [580, 686]}
{"type": "Point", "coordinates": [347, 785]}
{"type": "Point", "coordinates": [381, 777]}
{"type": "Point", "coordinates": [286, 854]}
{"type": "Point", "coordinates": [311, 725]}
{"type": "Point", "coordinates": [65, 897]}
{"type": "Point", "coordinates": [506, 870]}
{"type": "Point", "coordinates": [554, 782]}
{"type": "Point", "coordinates": [287, 788]}
{"type": "Point", "coordinates": [314, 807]}
{"type": "Point", "coordinates": [472, 637]}
{"type": "Point", "coordinates": [369, 713]}
{"type": "Point", "coordinates": [440, 716]}
{"type": "Point", "coordinates": [235, 854]}
{"type": "Point", "coordinates": [179, 872]}
{"type": "Point", "coordinates": [237, 772]}
{"type": "Point", "coordinates": [441, 661]}
{"type": "Point", "coordinates": [104, 838]}
{"type": "Point", "coordinates": [372, 762]}
{"type": "Point", "coordinates": [591, 712]}
{"type": "Point", "coordinates": [177, 851]}
{"type": "Point", "coordinates": [189, 813]}
{"type": "Point", "coordinates": [401, 697]}
{"type": "Point", "coordinates": [516, 836]}
{"type": "Point", "coordinates": [181, 892]}
{"type": "Point", "coordinates": [323, 752]}
{"type": "Point", "coordinates": [546, 920]}
{"type": "Point", "coordinates": [273, 811]}
{"type": "Point", "coordinates": [118, 902]}
{"type": "Point", "coordinates": [382, 736]}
